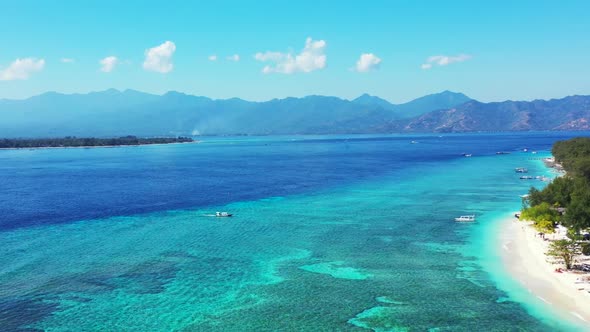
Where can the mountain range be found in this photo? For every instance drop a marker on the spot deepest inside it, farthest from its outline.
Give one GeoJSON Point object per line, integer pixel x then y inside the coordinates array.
{"type": "Point", "coordinates": [116, 113]}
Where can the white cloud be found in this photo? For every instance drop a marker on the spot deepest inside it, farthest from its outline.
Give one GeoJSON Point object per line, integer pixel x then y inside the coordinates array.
{"type": "Point", "coordinates": [212, 57]}
{"type": "Point", "coordinates": [268, 56]}
{"type": "Point", "coordinates": [108, 64]}
{"type": "Point", "coordinates": [443, 60]}
{"type": "Point", "coordinates": [367, 62]}
{"type": "Point", "coordinates": [21, 69]}
{"type": "Point", "coordinates": [234, 57]}
{"type": "Point", "coordinates": [311, 58]}
{"type": "Point", "coordinates": [159, 58]}
{"type": "Point", "coordinates": [67, 60]}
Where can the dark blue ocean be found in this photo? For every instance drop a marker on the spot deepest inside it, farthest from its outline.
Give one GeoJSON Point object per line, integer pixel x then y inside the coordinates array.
{"type": "Point", "coordinates": [329, 233]}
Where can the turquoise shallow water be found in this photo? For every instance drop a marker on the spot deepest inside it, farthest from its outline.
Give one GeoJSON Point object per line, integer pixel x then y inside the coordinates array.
{"type": "Point", "coordinates": [381, 254]}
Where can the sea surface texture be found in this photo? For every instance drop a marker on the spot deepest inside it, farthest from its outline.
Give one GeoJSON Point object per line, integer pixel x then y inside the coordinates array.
{"type": "Point", "coordinates": [329, 233]}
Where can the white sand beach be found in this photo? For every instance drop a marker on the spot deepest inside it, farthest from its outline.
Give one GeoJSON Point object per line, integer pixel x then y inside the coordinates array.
{"type": "Point", "coordinates": [524, 255]}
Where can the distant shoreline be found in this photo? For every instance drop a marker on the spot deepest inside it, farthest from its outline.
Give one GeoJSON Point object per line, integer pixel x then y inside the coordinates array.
{"type": "Point", "coordinates": [88, 143]}
{"type": "Point", "coordinates": [98, 146]}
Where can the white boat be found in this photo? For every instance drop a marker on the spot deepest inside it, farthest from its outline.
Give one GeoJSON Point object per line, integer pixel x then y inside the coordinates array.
{"type": "Point", "coordinates": [467, 218]}
{"type": "Point", "coordinates": [414, 142]}
{"type": "Point", "coordinates": [521, 170]}
{"type": "Point", "coordinates": [223, 214]}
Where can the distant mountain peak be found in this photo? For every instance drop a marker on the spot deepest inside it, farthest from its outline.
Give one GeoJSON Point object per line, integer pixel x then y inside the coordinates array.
{"type": "Point", "coordinates": [364, 96]}
{"type": "Point", "coordinates": [49, 94]}
{"type": "Point", "coordinates": [448, 93]}
{"type": "Point", "coordinates": [441, 100]}
{"type": "Point", "coordinates": [174, 93]}
{"type": "Point", "coordinates": [111, 91]}
{"type": "Point", "coordinates": [132, 91]}
{"type": "Point", "coordinates": [368, 100]}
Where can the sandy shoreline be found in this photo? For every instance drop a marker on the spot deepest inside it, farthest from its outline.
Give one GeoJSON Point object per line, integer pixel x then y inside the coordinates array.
{"type": "Point", "coordinates": [524, 258]}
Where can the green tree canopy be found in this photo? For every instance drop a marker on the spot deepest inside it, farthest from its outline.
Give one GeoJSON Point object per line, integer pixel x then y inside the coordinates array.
{"type": "Point", "coordinates": [581, 167]}
{"type": "Point", "coordinates": [577, 215]}
{"type": "Point", "coordinates": [566, 250]}
{"type": "Point", "coordinates": [557, 193]}
{"type": "Point", "coordinates": [543, 215]}
{"type": "Point", "coordinates": [574, 155]}
{"type": "Point", "coordinates": [571, 191]}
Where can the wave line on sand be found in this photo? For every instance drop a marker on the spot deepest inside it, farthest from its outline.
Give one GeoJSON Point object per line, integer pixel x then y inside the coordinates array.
{"type": "Point", "coordinates": [578, 315]}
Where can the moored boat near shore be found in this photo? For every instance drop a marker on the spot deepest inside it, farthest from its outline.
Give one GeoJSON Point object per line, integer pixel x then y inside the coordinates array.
{"type": "Point", "coordinates": [467, 218]}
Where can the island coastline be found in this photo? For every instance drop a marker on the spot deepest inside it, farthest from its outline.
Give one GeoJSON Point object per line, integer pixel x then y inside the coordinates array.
{"type": "Point", "coordinates": [522, 251]}
{"type": "Point", "coordinates": [87, 143]}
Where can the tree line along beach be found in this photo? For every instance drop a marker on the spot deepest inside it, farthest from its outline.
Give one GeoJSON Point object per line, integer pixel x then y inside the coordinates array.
{"type": "Point", "coordinates": [548, 249]}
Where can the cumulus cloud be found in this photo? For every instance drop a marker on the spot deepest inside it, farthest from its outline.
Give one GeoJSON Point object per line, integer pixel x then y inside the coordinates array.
{"type": "Point", "coordinates": [234, 58]}
{"type": "Point", "coordinates": [443, 60]}
{"type": "Point", "coordinates": [159, 58]}
{"type": "Point", "coordinates": [67, 60]}
{"type": "Point", "coordinates": [21, 69]}
{"type": "Point", "coordinates": [212, 57]}
{"type": "Point", "coordinates": [108, 64]}
{"type": "Point", "coordinates": [311, 58]}
{"type": "Point", "coordinates": [367, 62]}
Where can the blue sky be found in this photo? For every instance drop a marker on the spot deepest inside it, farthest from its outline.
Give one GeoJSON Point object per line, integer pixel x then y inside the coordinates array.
{"type": "Point", "coordinates": [489, 50]}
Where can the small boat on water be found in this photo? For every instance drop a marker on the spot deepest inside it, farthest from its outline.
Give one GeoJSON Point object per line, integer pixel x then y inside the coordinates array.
{"type": "Point", "coordinates": [521, 170]}
{"type": "Point", "coordinates": [414, 142]}
{"type": "Point", "coordinates": [468, 218]}
{"type": "Point", "coordinates": [526, 177]}
{"type": "Point", "coordinates": [223, 214]}
{"type": "Point", "coordinates": [467, 155]}
{"type": "Point", "coordinates": [502, 152]}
